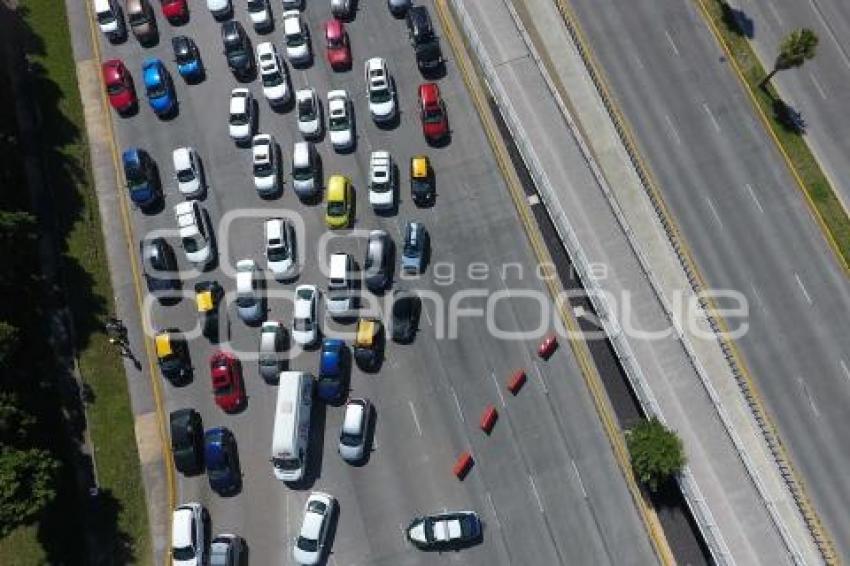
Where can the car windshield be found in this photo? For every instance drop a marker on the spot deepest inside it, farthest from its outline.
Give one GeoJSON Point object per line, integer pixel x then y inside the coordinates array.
{"type": "Point", "coordinates": [302, 173]}
{"type": "Point", "coordinates": [412, 248]}
{"type": "Point", "coordinates": [307, 544]}
{"type": "Point", "coordinates": [244, 301]}
{"type": "Point", "coordinates": [348, 439]}
{"type": "Point", "coordinates": [419, 185]}
{"type": "Point", "coordinates": [183, 54]}
{"type": "Point", "coordinates": [219, 556]}
{"type": "Point", "coordinates": [380, 186]}
{"type": "Point", "coordinates": [156, 89]}
{"type": "Point", "coordinates": [183, 553]}
{"type": "Point", "coordinates": [336, 208]}
{"type": "Point", "coordinates": [137, 18]}
{"type": "Point", "coordinates": [263, 169]}
{"type": "Point", "coordinates": [294, 40]}
{"type": "Point", "coordinates": [306, 109]}
{"type": "Point", "coordinates": [105, 17]}
{"type": "Point", "coordinates": [185, 175]}
{"type": "Point", "coordinates": [239, 118]}
{"type": "Point", "coordinates": [339, 122]}
{"type": "Point", "coordinates": [134, 175]}
{"type": "Point", "coordinates": [335, 42]}
{"type": "Point", "coordinates": [273, 78]}
{"type": "Point", "coordinates": [223, 387]}
{"type": "Point", "coordinates": [286, 463]}
{"type": "Point", "coordinates": [432, 114]}
{"type": "Point", "coordinates": [278, 253]}
{"type": "Point", "coordinates": [115, 88]}
{"type": "Point", "coordinates": [302, 325]}
{"type": "Point", "coordinates": [193, 244]}
{"type": "Point", "coordinates": [256, 5]}
{"type": "Point", "coordinates": [379, 95]}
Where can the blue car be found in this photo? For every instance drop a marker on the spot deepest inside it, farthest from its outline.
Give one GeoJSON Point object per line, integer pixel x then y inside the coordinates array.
{"type": "Point", "coordinates": [332, 369]}
{"type": "Point", "coordinates": [141, 177]}
{"type": "Point", "coordinates": [158, 87]}
{"type": "Point", "coordinates": [222, 461]}
{"type": "Point", "coordinates": [188, 58]}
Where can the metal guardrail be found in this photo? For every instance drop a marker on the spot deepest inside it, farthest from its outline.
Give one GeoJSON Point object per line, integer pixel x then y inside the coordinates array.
{"type": "Point", "coordinates": [622, 348]}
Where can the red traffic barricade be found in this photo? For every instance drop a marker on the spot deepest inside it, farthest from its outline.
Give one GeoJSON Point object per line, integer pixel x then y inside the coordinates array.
{"type": "Point", "coordinates": [488, 419]}
{"type": "Point", "coordinates": [462, 465]}
{"type": "Point", "coordinates": [548, 346]}
{"type": "Point", "coordinates": [516, 381]}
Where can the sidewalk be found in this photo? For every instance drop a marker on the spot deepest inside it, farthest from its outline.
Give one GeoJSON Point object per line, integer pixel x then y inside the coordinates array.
{"type": "Point", "coordinates": [595, 198]}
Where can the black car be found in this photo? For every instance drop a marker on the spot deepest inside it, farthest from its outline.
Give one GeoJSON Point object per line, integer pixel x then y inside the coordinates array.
{"type": "Point", "coordinates": [237, 50]}
{"type": "Point", "coordinates": [208, 295]}
{"type": "Point", "coordinates": [405, 315]}
{"type": "Point", "coordinates": [172, 353]}
{"type": "Point", "coordinates": [445, 530]}
{"type": "Point", "coordinates": [379, 260]}
{"type": "Point", "coordinates": [159, 265]}
{"type": "Point", "coordinates": [187, 441]}
{"type": "Point", "coordinates": [425, 44]}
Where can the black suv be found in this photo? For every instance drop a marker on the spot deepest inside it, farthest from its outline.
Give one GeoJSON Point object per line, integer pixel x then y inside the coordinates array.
{"type": "Point", "coordinates": [187, 441]}
{"type": "Point", "coordinates": [159, 265]}
{"type": "Point", "coordinates": [237, 50]}
{"type": "Point", "coordinates": [426, 46]}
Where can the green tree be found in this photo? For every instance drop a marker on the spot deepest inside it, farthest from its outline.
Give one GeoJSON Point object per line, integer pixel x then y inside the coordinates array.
{"type": "Point", "coordinates": [656, 452]}
{"type": "Point", "coordinates": [795, 49]}
{"type": "Point", "coordinates": [10, 339]}
{"type": "Point", "coordinates": [15, 423]}
{"type": "Point", "coordinates": [27, 485]}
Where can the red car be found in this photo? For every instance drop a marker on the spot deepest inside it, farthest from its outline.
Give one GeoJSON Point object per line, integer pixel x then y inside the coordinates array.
{"type": "Point", "coordinates": [175, 11]}
{"type": "Point", "coordinates": [226, 374]}
{"type": "Point", "coordinates": [119, 86]}
{"type": "Point", "coordinates": [435, 123]}
{"type": "Point", "coordinates": [338, 50]}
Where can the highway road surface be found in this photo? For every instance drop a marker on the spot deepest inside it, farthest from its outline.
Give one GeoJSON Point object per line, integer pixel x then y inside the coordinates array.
{"type": "Point", "coordinates": [545, 482]}
{"type": "Point", "coordinates": [747, 225]}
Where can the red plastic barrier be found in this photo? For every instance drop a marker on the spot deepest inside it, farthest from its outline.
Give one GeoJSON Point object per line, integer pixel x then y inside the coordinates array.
{"type": "Point", "coordinates": [516, 381]}
{"type": "Point", "coordinates": [547, 347]}
{"type": "Point", "coordinates": [488, 418]}
{"type": "Point", "coordinates": [462, 465]}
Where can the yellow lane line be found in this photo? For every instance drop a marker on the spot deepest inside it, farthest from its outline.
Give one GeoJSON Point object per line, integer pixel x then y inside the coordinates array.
{"type": "Point", "coordinates": [579, 347]}
{"type": "Point", "coordinates": [139, 295]}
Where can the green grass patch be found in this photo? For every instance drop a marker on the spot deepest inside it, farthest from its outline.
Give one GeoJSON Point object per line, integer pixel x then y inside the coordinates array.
{"type": "Point", "coordinates": [118, 522]}
{"type": "Point", "coordinates": [814, 181]}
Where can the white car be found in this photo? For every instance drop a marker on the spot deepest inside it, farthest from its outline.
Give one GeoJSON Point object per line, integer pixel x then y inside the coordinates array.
{"type": "Point", "coordinates": [305, 170]}
{"type": "Point", "coordinates": [188, 172]}
{"type": "Point", "coordinates": [352, 435]}
{"type": "Point", "coordinates": [188, 535]}
{"type": "Point", "coordinates": [220, 9]}
{"type": "Point", "coordinates": [281, 251]}
{"type": "Point", "coordinates": [297, 37]}
{"type": "Point", "coordinates": [379, 90]}
{"type": "Point", "coordinates": [266, 166]}
{"type": "Point", "coordinates": [305, 322]}
{"type": "Point", "coordinates": [310, 544]}
{"type": "Point", "coordinates": [241, 122]}
{"type": "Point", "coordinates": [381, 181]}
{"type": "Point", "coordinates": [273, 74]}
{"type": "Point", "coordinates": [260, 14]}
{"type": "Point", "coordinates": [292, 4]}
{"type": "Point", "coordinates": [249, 305]}
{"type": "Point", "coordinates": [195, 232]}
{"type": "Point", "coordinates": [309, 113]}
{"type": "Point", "coordinates": [340, 120]}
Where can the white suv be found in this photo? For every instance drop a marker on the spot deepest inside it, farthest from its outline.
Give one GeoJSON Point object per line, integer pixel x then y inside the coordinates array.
{"type": "Point", "coordinates": [241, 121]}
{"type": "Point", "coordinates": [297, 37]}
{"type": "Point", "coordinates": [379, 89]}
{"type": "Point", "coordinates": [309, 113]}
{"type": "Point", "coordinates": [381, 181]}
{"type": "Point", "coordinates": [266, 166]}
{"type": "Point", "coordinates": [340, 120]}
{"type": "Point", "coordinates": [188, 172]}
{"type": "Point", "coordinates": [188, 535]}
{"type": "Point", "coordinates": [273, 74]}
{"type": "Point", "coordinates": [195, 232]}
{"type": "Point", "coordinates": [280, 247]}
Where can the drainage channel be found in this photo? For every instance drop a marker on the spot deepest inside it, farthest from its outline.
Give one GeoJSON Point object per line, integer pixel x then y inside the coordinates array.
{"type": "Point", "coordinates": [679, 526]}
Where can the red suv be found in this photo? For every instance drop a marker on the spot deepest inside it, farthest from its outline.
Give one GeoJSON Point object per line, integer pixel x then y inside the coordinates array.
{"type": "Point", "coordinates": [175, 11]}
{"type": "Point", "coordinates": [226, 374]}
{"type": "Point", "coordinates": [119, 86]}
{"type": "Point", "coordinates": [435, 123]}
{"type": "Point", "coordinates": [336, 41]}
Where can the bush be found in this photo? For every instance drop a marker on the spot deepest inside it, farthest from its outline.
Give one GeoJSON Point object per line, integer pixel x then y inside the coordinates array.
{"type": "Point", "coordinates": [656, 453]}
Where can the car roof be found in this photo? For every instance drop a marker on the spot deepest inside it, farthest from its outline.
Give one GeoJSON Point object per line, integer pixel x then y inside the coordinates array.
{"type": "Point", "coordinates": [419, 166]}
{"type": "Point", "coordinates": [336, 187]}
{"type": "Point", "coordinates": [352, 422]}
{"type": "Point", "coordinates": [163, 344]}
{"type": "Point", "coordinates": [291, 22]}
{"type": "Point", "coordinates": [261, 148]}
{"type": "Point", "coordinates": [300, 153]}
{"type": "Point", "coordinates": [366, 330]}
{"type": "Point", "coordinates": [181, 527]}
{"type": "Point", "coordinates": [180, 157]}
{"type": "Point", "coordinates": [131, 156]}
{"type": "Point", "coordinates": [239, 100]}
{"type": "Point", "coordinates": [231, 30]}
{"type": "Point", "coordinates": [429, 93]}
{"type": "Point", "coordinates": [274, 228]}
{"type": "Point", "coordinates": [334, 28]}
{"type": "Point", "coordinates": [266, 48]}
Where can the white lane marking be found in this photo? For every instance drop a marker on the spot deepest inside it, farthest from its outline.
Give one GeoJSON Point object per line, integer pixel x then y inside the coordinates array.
{"type": "Point", "coordinates": [542, 381]}
{"type": "Point", "coordinates": [672, 43]}
{"type": "Point", "coordinates": [714, 211]}
{"type": "Point", "coordinates": [803, 288]}
{"type": "Point", "coordinates": [845, 370]}
{"type": "Point", "coordinates": [756, 293]}
{"type": "Point", "coordinates": [816, 9]}
{"type": "Point", "coordinates": [808, 396]}
{"type": "Point", "coordinates": [457, 404]}
{"type": "Point", "coordinates": [536, 495]}
{"type": "Point", "coordinates": [637, 60]}
{"type": "Point", "coordinates": [754, 197]}
{"type": "Point", "coordinates": [533, 199]}
{"type": "Point", "coordinates": [415, 418]}
{"type": "Point", "coordinates": [493, 509]}
{"type": "Point", "coordinates": [578, 477]}
{"type": "Point", "coordinates": [711, 116]}
{"type": "Point", "coordinates": [498, 389]}
{"type": "Point", "coordinates": [673, 130]}
{"type": "Point", "coordinates": [775, 13]}
{"type": "Point", "coordinates": [427, 317]}
{"type": "Point", "coordinates": [818, 86]}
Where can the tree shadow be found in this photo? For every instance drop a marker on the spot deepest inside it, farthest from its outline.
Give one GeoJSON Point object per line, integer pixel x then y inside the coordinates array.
{"type": "Point", "coordinates": [788, 117]}
{"type": "Point", "coordinates": [737, 21]}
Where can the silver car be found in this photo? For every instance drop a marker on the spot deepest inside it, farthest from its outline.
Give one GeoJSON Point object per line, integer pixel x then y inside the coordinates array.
{"type": "Point", "coordinates": [355, 428]}
{"type": "Point", "coordinates": [272, 337]}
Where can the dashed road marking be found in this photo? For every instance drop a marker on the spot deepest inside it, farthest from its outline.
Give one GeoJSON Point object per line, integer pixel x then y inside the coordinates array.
{"type": "Point", "coordinates": [714, 211]}
{"type": "Point", "coordinates": [542, 381]}
{"type": "Point", "coordinates": [536, 494]}
{"type": "Point", "coordinates": [754, 197]}
{"type": "Point", "coordinates": [457, 404]}
{"type": "Point", "coordinates": [578, 477]}
{"type": "Point", "coordinates": [711, 116]}
{"type": "Point", "coordinates": [845, 369]}
{"type": "Point", "coordinates": [498, 389]}
{"type": "Point", "coordinates": [818, 86]}
{"type": "Point", "coordinates": [803, 288]}
{"type": "Point", "coordinates": [673, 131]}
{"type": "Point", "coordinates": [415, 418]}
{"type": "Point", "coordinates": [672, 43]}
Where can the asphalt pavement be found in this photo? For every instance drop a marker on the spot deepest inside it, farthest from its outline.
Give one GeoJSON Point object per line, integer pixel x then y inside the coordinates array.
{"type": "Point", "coordinates": [545, 481]}
{"type": "Point", "coordinates": [746, 223]}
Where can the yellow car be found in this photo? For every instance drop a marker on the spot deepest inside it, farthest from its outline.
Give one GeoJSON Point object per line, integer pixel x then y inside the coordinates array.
{"type": "Point", "coordinates": [421, 180]}
{"type": "Point", "coordinates": [340, 211]}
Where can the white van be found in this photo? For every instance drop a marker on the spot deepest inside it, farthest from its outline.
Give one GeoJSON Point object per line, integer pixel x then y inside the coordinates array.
{"type": "Point", "coordinates": [291, 435]}
{"type": "Point", "coordinates": [110, 19]}
{"type": "Point", "coordinates": [339, 301]}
